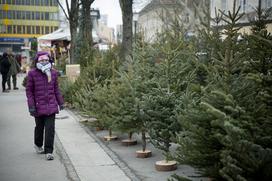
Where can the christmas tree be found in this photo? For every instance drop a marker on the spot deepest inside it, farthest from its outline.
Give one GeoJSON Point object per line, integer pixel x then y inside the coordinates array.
{"type": "Point", "coordinates": [225, 134]}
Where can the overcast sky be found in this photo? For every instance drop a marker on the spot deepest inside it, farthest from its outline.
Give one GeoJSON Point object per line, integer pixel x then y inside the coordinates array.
{"type": "Point", "coordinates": [112, 9]}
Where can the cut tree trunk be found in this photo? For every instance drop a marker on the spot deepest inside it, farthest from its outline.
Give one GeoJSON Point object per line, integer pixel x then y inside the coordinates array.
{"type": "Point", "coordinates": [164, 165]}
{"type": "Point", "coordinates": [143, 153]}
{"type": "Point", "coordinates": [110, 137]}
{"type": "Point", "coordinates": [129, 141]}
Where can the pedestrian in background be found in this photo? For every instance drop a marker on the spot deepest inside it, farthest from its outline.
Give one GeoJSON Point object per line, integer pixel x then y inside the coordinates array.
{"type": "Point", "coordinates": [44, 101]}
{"type": "Point", "coordinates": [13, 71]}
{"type": "Point", "coordinates": [5, 66]}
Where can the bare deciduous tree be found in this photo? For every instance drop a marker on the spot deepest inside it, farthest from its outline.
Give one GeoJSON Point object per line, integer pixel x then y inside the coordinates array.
{"type": "Point", "coordinates": [87, 24]}
{"type": "Point", "coordinates": [72, 16]}
{"type": "Point", "coordinates": [126, 47]}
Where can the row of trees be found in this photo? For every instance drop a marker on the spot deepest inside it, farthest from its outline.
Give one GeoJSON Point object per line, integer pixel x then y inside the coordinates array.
{"type": "Point", "coordinates": [208, 94]}
{"type": "Point", "coordinates": [83, 7]}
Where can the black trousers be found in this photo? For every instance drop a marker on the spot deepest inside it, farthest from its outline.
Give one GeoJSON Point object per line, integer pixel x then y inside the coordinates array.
{"type": "Point", "coordinates": [4, 81]}
{"type": "Point", "coordinates": [14, 80]}
{"type": "Point", "coordinates": [45, 126]}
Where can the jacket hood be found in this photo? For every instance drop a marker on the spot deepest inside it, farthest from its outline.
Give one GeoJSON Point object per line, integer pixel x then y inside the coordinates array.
{"type": "Point", "coordinates": [42, 53]}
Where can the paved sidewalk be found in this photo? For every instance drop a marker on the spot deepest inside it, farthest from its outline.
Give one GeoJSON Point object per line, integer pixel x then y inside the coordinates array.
{"type": "Point", "coordinates": [90, 161]}
{"type": "Point", "coordinates": [79, 156]}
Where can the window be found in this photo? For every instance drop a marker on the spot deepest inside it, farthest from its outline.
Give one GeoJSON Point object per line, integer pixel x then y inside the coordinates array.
{"type": "Point", "coordinates": [46, 16]}
{"type": "Point", "coordinates": [38, 30]}
{"type": "Point", "coordinates": [19, 29]}
{"type": "Point", "coordinates": [4, 14]}
{"type": "Point", "coordinates": [23, 15]}
{"type": "Point", "coordinates": [9, 29]}
{"type": "Point", "coordinates": [55, 16]}
{"type": "Point", "coordinates": [269, 3]}
{"type": "Point", "coordinates": [47, 30]}
{"type": "Point", "coordinates": [55, 3]}
{"type": "Point", "coordinates": [18, 2]}
{"type": "Point", "coordinates": [266, 4]}
{"type": "Point", "coordinates": [1, 14]}
{"type": "Point", "coordinates": [9, 15]}
{"type": "Point", "coordinates": [28, 29]}
{"type": "Point", "coordinates": [224, 5]}
{"type": "Point", "coordinates": [46, 3]}
{"type": "Point", "coordinates": [8, 1]}
{"type": "Point", "coordinates": [33, 30]}
{"type": "Point", "coordinates": [33, 15]}
{"type": "Point", "coordinates": [13, 14]}
{"type": "Point", "coordinates": [37, 2]}
{"type": "Point", "coordinates": [28, 15]}
{"type": "Point", "coordinates": [38, 16]}
{"type": "Point", "coordinates": [18, 15]}
{"type": "Point", "coordinates": [243, 5]}
{"type": "Point", "coordinates": [14, 29]}
{"type": "Point", "coordinates": [23, 29]}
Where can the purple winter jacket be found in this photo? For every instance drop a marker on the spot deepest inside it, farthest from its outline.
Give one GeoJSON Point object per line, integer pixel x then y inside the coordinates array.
{"type": "Point", "coordinates": [43, 96]}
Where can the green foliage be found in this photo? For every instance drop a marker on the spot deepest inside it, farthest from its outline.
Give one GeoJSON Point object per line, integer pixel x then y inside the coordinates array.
{"type": "Point", "coordinates": [67, 89]}
{"type": "Point", "coordinates": [126, 119]}
{"type": "Point", "coordinates": [103, 104]}
{"type": "Point", "coordinates": [159, 108]}
{"type": "Point", "coordinates": [211, 95]}
{"type": "Point", "coordinates": [226, 124]}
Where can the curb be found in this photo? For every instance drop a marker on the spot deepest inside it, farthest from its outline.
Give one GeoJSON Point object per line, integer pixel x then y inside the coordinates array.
{"type": "Point", "coordinates": [119, 162]}
{"type": "Point", "coordinates": [65, 160]}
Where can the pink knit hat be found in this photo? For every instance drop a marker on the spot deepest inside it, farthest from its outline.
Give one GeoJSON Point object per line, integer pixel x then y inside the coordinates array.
{"type": "Point", "coordinates": [43, 57]}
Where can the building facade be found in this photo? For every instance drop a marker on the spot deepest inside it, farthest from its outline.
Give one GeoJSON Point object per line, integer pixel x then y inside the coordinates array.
{"type": "Point", "coordinates": [23, 20]}
{"type": "Point", "coordinates": [247, 7]}
{"type": "Point", "coordinates": [159, 14]}
{"type": "Point", "coordinates": [105, 33]}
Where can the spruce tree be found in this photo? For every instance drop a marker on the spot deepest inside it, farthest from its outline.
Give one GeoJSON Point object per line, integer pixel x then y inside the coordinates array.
{"type": "Point", "coordinates": [171, 53]}
{"type": "Point", "coordinates": [223, 133]}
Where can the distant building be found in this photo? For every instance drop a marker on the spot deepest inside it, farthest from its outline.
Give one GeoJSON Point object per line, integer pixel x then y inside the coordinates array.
{"type": "Point", "coordinates": [104, 19]}
{"type": "Point", "coordinates": [159, 14]}
{"type": "Point", "coordinates": [95, 16]}
{"type": "Point", "coordinates": [105, 33]}
{"type": "Point", "coordinates": [246, 6]}
{"type": "Point", "coordinates": [22, 20]}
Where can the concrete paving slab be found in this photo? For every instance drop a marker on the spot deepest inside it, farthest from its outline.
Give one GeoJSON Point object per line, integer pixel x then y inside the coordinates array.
{"type": "Point", "coordinates": [105, 173]}
{"type": "Point", "coordinates": [90, 161]}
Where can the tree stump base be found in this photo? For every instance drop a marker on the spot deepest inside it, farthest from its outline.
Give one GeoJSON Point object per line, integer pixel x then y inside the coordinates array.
{"type": "Point", "coordinates": [99, 128]}
{"type": "Point", "coordinates": [129, 142]}
{"type": "Point", "coordinates": [110, 138]}
{"type": "Point", "coordinates": [143, 154]}
{"type": "Point", "coordinates": [166, 166]}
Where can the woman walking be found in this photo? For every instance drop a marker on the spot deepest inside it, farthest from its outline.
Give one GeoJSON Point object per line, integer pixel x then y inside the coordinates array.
{"type": "Point", "coordinates": [44, 101]}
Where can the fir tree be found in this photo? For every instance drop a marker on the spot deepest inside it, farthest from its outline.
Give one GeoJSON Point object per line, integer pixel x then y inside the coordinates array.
{"type": "Point", "coordinates": [220, 122]}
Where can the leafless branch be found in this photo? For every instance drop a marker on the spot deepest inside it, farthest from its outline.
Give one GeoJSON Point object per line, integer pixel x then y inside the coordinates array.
{"type": "Point", "coordinates": [68, 9]}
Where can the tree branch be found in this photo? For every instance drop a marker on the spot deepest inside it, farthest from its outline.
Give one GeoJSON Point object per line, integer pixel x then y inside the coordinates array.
{"type": "Point", "coordinates": [64, 9]}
